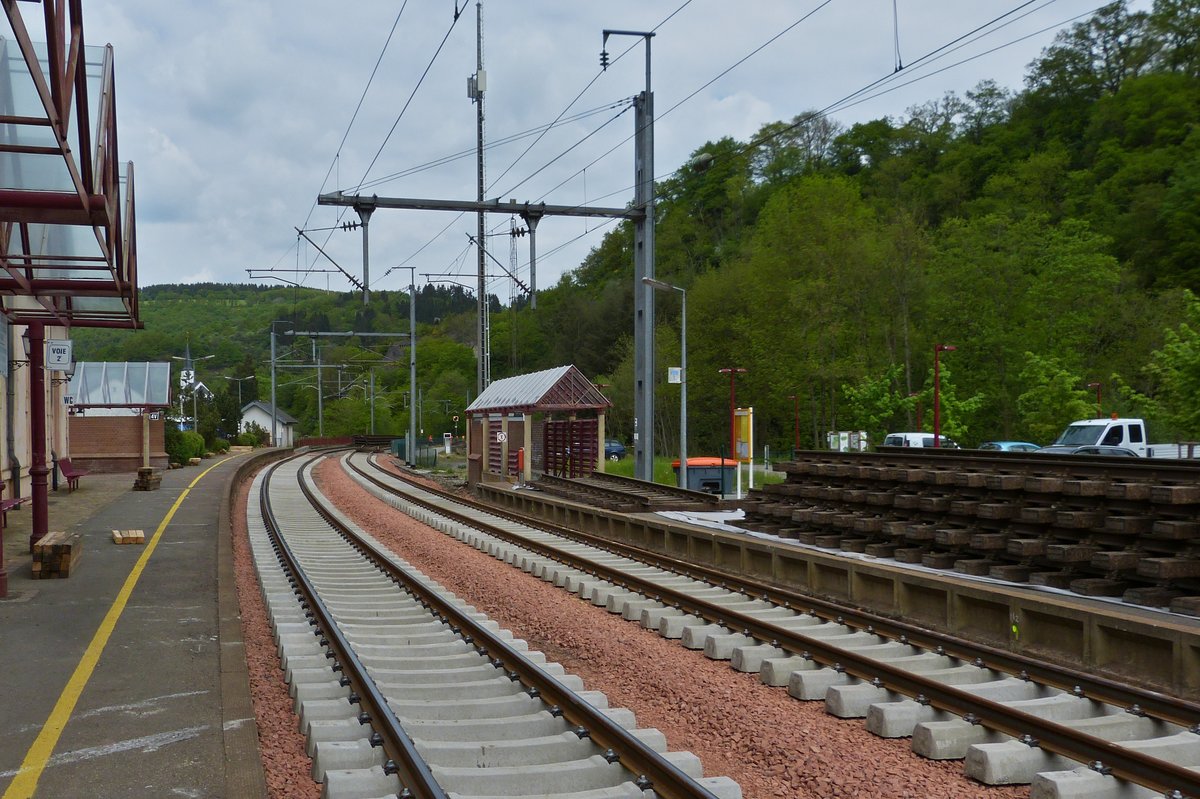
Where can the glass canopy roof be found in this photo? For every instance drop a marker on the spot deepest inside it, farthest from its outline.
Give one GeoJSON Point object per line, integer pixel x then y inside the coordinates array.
{"type": "Point", "coordinates": [66, 235]}
{"type": "Point", "coordinates": [121, 385]}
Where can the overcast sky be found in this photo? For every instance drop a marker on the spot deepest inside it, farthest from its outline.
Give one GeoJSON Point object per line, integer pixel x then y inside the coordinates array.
{"type": "Point", "coordinates": [234, 112]}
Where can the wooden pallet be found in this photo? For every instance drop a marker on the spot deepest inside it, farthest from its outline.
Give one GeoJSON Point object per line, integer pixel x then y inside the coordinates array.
{"type": "Point", "coordinates": [56, 555]}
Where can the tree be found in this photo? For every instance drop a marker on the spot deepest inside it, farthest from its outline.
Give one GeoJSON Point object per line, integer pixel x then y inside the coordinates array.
{"type": "Point", "coordinates": [1054, 398]}
{"type": "Point", "coordinates": [1175, 373]}
{"type": "Point", "coordinates": [874, 404]}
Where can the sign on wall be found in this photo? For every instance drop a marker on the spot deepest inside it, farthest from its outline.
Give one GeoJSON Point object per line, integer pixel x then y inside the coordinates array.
{"type": "Point", "coordinates": [58, 355]}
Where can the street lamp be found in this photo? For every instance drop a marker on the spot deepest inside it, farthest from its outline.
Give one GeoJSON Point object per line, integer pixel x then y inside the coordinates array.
{"type": "Point", "coordinates": [1097, 387]}
{"type": "Point", "coordinates": [937, 387]}
{"type": "Point", "coordinates": [239, 382]}
{"type": "Point", "coordinates": [795, 398]}
{"type": "Point", "coordinates": [733, 372]}
{"type": "Point", "coordinates": [659, 285]}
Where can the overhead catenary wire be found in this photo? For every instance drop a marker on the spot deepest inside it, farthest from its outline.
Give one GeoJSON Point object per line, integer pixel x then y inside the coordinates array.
{"type": "Point", "coordinates": [350, 125]}
{"type": "Point", "coordinates": [987, 28]}
{"type": "Point", "coordinates": [875, 88]}
{"type": "Point", "coordinates": [844, 102]}
{"type": "Point", "coordinates": [561, 114]}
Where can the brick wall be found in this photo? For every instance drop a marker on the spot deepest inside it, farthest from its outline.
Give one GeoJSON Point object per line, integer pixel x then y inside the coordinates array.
{"type": "Point", "coordinates": [114, 443]}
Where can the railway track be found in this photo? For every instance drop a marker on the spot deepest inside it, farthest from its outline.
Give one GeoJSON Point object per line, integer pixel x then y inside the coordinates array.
{"type": "Point", "coordinates": [626, 494]}
{"type": "Point", "coordinates": [403, 689]}
{"type": "Point", "coordinates": [1010, 718]}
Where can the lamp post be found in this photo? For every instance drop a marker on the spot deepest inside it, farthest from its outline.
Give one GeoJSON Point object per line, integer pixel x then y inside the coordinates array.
{"type": "Point", "coordinates": [239, 382]}
{"type": "Point", "coordinates": [1096, 386]}
{"type": "Point", "coordinates": [660, 285]}
{"type": "Point", "coordinates": [937, 388]}
{"type": "Point", "coordinates": [795, 398]}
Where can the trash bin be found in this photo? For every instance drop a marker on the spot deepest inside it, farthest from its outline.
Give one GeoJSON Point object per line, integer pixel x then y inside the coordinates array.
{"type": "Point", "coordinates": [704, 474]}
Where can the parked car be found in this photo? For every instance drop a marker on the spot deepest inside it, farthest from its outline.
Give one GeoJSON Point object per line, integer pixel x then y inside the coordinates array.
{"type": "Point", "coordinates": [1009, 446]}
{"type": "Point", "coordinates": [614, 450]}
{"type": "Point", "coordinates": [1089, 449]}
{"type": "Point", "coordinates": [917, 440]}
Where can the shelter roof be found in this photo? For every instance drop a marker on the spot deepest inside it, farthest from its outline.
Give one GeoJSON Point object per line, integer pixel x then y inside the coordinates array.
{"type": "Point", "coordinates": [67, 239]}
{"type": "Point", "coordinates": [121, 385]}
{"type": "Point", "coordinates": [563, 388]}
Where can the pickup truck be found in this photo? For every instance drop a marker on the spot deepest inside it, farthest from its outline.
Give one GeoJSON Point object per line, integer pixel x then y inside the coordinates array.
{"type": "Point", "coordinates": [1123, 432]}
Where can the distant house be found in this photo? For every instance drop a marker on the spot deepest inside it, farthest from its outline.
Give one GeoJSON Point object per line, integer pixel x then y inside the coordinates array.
{"type": "Point", "coordinates": [259, 413]}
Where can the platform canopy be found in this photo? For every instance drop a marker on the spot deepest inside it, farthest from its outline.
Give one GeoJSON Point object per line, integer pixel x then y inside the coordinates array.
{"type": "Point", "coordinates": [121, 385]}
{"type": "Point", "coordinates": [563, 388]}
{"type": "Point", "coordinates": [68, 253]}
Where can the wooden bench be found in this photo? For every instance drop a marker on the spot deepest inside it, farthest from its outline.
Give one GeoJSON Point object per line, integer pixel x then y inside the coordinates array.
{"type": "Point", "coordinates": [70, 473]}
{"type": "Point", "coordinates": [8, 504]}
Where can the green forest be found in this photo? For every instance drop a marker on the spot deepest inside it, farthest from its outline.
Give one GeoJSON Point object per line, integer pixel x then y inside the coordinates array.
{"type": "Point", "coordinates": [1050, 234]}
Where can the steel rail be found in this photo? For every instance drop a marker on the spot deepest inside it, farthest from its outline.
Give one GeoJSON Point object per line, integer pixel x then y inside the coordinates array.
{"type": "Point", "coordinates": [633, 483]}
{"type": "Point", "coordinates": [610, 494]}
{"type": "Point", "coordinates": [403, 759]}
{"type": "Point", "coordinates": [654, 771]}
{"type": "Point", "coordinates": [1060, 739]}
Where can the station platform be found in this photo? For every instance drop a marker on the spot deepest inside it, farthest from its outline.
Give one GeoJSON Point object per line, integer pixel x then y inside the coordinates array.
{"type": "Point", "coordinates": [128, 678]}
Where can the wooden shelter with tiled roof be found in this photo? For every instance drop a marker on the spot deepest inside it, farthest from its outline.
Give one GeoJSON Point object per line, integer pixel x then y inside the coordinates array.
{"type": "Point", "coordinates": [548, 422]}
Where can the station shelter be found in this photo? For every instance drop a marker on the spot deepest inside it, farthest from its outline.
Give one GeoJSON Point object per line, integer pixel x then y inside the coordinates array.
{"type": "Point", "coordinates": [68, 249]}
{"type": "Point", "coordinates": [117, 415]}
{"type": "Point", "coordinates": [548, 422]}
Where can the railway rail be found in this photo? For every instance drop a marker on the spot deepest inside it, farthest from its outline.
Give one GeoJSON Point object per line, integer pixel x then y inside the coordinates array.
{"type": "Point", "coordinates": [1012, 718]}
{"type": "Point", "coordinates": [403, 688]}
{"type": "Point", "coordinates": [626, 494]}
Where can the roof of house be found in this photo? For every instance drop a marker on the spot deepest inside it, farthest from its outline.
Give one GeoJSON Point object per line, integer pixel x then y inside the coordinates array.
{"type": "Point", "coordinates": [281, 415]}
{"type": "Point", "coordinates": [563, 388]}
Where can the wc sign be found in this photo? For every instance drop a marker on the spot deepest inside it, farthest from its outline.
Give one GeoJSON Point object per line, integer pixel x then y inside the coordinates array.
{"type": "Point", "coordinates": [58, 355]}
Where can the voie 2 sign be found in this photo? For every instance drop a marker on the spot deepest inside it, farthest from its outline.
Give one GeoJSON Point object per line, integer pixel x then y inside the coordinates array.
{"type": "Point", "coordinates": [58, 355]}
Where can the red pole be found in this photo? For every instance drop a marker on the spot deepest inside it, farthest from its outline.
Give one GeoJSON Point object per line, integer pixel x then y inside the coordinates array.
{"type": "Point", "coordinates": [732, 405]}
{"type": "Point", "coordinates": [937, 407]}
{"type": "Point", "coordinates": [37, 432]}
{"type": "Point", "coordinates": [732, 372]}
{"type": "Point", "coordinates": [937, 389]}
{"type": "Point", "coordinates": [796, 410]}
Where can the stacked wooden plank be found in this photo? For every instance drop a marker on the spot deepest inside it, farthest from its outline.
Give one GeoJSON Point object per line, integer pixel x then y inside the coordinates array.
{"type": "Point", "coordinates": [57, 554]}
{"type": "Point", "coordinates": [128, 537]}
{"type": "Point", "coordinates": [148, 479]}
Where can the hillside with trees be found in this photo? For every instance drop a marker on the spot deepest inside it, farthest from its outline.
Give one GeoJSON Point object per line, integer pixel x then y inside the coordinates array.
{"type": "Point", "coordinates": [1050, 234]}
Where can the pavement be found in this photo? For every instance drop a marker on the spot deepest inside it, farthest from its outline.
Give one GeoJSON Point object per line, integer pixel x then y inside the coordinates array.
{"type": "Point", "coordinates": [128, 678]}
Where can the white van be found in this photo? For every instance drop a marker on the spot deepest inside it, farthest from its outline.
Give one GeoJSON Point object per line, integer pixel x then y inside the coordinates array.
{"type": "Point", "coordinates": [917, 440]}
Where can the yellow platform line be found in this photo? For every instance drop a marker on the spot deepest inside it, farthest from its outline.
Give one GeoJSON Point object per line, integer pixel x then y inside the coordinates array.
{"type": "Point", "coordinates": [38, 756]}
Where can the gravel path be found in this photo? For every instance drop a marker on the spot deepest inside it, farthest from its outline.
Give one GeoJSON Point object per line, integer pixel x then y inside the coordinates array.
{"type": "Point", "coordinates": [773, 745]}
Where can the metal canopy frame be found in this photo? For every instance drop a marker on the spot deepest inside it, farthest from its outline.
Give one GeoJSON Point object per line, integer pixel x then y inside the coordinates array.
{"type": "Point", "coordinates": [60, 175]}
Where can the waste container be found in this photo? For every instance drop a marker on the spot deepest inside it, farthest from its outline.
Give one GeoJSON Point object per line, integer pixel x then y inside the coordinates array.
{"type": "Point", "coordinates": [704, 474]}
